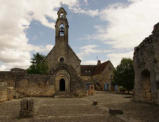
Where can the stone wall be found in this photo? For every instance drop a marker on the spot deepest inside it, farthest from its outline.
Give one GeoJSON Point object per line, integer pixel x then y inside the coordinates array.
{"type": "Point", "coordinates": [62, 51]}
{"type": "Point", "coordinates": [20, 84]}
{"type": "Point", "coordinates": [35, 85]}
{"type": "Point", "coordinates": [104, 77]}
{"type": "Point", "coordinates": [86, 78]}
{"type": "Point", "coordinates": [146, 66]}
{"type": "Point", "coordinates": [3, 93]}
{"type": "Point", "coordinates": [6, 93]}
{"type": "Point", "coordinates": [6, 86]}
{"type": "Point", "coordinates": [74, 84]}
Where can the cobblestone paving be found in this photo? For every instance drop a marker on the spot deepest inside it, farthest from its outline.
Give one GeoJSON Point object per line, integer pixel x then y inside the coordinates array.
{"type": "Point", "coordinates": [82, 110]}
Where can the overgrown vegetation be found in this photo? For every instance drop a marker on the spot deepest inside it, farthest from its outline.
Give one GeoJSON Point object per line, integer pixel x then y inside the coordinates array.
{"type": "Point", "coordinates": [38, 66]}
{"type": "Point", "coordinates": [124, 74]}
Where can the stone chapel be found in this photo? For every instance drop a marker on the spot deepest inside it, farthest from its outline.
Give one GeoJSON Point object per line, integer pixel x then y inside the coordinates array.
{"type": "Point", "coordinates": [66, 74]}
{"type": "Point", "coordinates": [63, 63]}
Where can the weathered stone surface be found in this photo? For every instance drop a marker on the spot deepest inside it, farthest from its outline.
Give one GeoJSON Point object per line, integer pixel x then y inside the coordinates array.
{"type": "Point", "coordinates": [115, 111]}
{"type": "Point", "coordinates": [146, 65]}
{"type": "Point", "coordinates": [95, 103]}
{"type": "Point", "coordinates": [26, 108]}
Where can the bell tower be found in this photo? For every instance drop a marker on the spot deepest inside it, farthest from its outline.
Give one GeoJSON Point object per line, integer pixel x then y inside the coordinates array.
{"type": "Point", "coordinates": [61, 27]}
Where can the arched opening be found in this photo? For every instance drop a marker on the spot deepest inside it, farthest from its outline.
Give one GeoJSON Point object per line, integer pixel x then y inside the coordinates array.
{"type": "Point", "coordinates": [61, 60]}
{"type": "Point", "coordinates": [61, 15]}
{"type": "Point", "coordinates": [62, 29]}
{"type": "Point", "coordinates": [146, 84]}
{"type": "Point", "coordinates": [62, 85]}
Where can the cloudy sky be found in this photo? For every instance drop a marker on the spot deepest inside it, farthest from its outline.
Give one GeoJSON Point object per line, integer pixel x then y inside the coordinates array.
{"type": "Point", "coordinates": [98, 29]}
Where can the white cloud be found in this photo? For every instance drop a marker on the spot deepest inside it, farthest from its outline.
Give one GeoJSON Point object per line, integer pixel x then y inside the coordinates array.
{"type": "Point", "coordinates": [127, 25]}
{"type": "Point", "coordinates": [15, 18]}
{"type": "Point", "coordinates": [88, 49]}
{"type": "Point", "coordinates": [115, 58]}
{"type": "Point", "coordinates": [86, 2]}
{"type": "Point", "coordinates": [41, 49]}
{"type": "Point", "coordinates": [88, 12]}
{"type": "Point", "coordinates": [3, 68]}
{"type": "Point", "coordinates": [89, 62]}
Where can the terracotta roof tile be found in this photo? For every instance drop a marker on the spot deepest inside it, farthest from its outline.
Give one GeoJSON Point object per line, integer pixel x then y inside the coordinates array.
{"type": "Point", "coordinates": [89, 70]}
{"type": "Point", "coordinates": [100, 68]}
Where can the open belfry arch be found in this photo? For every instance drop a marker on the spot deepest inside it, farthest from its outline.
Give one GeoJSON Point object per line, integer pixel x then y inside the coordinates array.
{"type": "Point", "coordinates": [61, 27]}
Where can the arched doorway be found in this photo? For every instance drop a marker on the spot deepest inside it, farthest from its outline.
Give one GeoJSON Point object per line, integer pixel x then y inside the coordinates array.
{"type": "Point", "coordinates": [146, 84]}
{"type": "Point", "coordinates": [62, 81]}
{"type": "Point", "coordinates": [62, 85]}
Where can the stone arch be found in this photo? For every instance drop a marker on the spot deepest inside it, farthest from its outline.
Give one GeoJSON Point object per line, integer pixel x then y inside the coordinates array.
{"type": "Point", "coordinates": [146, 84]}
{"type": "Point", "coordinates": [62, 76]}
{"type": "Point", "coordinates": [62, 29]}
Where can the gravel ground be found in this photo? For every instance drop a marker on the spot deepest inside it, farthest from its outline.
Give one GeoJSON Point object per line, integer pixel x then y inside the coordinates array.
{"type": "Point", "coordinates": [82, 110]}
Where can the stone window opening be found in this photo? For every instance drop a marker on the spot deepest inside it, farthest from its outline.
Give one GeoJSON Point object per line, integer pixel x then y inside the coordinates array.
{"type": "Point", "coordinates": [61, 60]}
{"type": "Point", "coordinates": [62, 29]}
{"type": "Point", "coordinates": [61, 15]}
{"type": "Point", "coordinates": [157, 84]}
{"type": "Point", "coordinates": [145, 77]}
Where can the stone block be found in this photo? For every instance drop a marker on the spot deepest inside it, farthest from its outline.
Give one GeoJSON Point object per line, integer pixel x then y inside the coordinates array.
{"type": "Point", "coordinates": [26, 108]}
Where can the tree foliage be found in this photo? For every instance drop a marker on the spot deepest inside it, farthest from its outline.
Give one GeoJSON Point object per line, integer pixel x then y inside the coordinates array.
{"type": "Point", "coordinates": [38, 66]}
{"type": "Point", "coordinates": [124, 74]}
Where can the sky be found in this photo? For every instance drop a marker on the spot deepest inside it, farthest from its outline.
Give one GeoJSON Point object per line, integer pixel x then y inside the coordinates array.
{"type": "Point", "coordinates": [98, 29]}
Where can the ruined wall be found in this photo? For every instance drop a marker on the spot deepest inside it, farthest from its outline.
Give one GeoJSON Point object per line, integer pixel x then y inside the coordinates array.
{"type": "Point", "coordinates": [146, 66]}
{"type": "Point", "coordinates": [19, 84]}
{"type": "Point", "coordinates": [7, 90]}
{"type": "Point", "coordinates": [35, 85]}
{"type": "Point", "coordinates": [3, 91]}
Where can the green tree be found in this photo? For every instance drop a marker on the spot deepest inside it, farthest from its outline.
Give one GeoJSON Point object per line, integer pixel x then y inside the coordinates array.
{"type": "Point", "coordinates": [124, 74]}
{"type": "Point", "coordinates": [38, 66]}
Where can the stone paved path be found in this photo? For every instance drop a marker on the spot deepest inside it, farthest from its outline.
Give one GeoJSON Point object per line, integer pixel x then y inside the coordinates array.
{"type": "Point", "coordinates": [82, 110]}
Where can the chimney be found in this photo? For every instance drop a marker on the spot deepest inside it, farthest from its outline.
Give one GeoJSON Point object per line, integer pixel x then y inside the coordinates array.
{"type": "Point", "coordinates": [99, 62]}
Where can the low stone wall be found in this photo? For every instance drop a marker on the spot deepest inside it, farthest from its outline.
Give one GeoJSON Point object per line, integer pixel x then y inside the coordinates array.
{"type": "Point", "coordinates": [6, 93]}
{"type": "Point", "coordinates": [35, 85]}
{"type": "Point", "coordinates": [3, 94]}
{"type": "Point", "coordinates": [21, 84]}
{"type": "Point", "coordinates": [26, 85]}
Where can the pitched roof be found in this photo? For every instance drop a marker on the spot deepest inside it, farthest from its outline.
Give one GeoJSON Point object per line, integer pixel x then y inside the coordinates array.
{"type": "Point", "coordinates": [61, 10]}
{"type": "Point", "coordinates": [99, 68]}
{"type": "Point", "coordinates": [89, 70]}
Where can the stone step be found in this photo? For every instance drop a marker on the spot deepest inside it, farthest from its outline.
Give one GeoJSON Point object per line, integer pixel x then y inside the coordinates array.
{"type": "Point", "coordinates": [62, 95]}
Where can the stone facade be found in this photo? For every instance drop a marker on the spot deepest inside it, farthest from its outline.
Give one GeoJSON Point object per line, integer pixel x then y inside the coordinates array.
{"type": "Point", "coordinates": [146, 66]}
{"type": "Point", "coordinates": [63, 63]}
{"type": "Point", "coordinates": [62, 52]}
{"type": "Point", "coordinates": [100, 74]}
